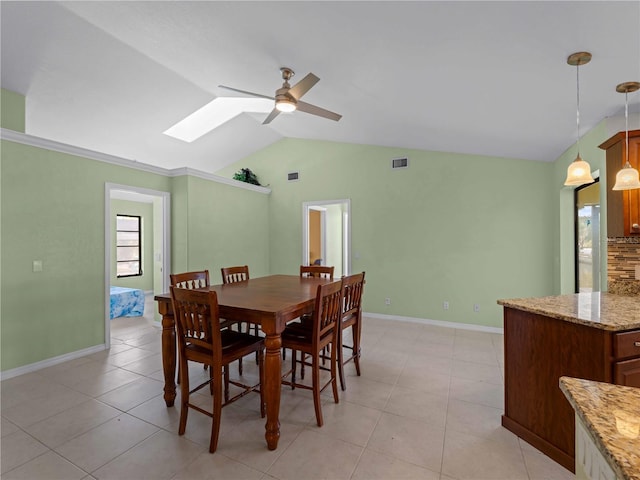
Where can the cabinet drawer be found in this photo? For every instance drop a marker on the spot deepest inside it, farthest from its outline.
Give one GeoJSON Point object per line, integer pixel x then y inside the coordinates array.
{"type": "Point", "coordinates": [627, 373]}
{"type": "Point", "coordinates": [626, 344]}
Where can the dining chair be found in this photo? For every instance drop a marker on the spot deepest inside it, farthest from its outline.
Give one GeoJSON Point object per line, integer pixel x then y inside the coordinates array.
{"type": "Point", "coordinates": [200, 339]}
{"type": "Point", "coordinates": [193, 280]}
{"type": "Point", "coordinates": [320, 271]}
{"type": "Point", "coordinates": [306, 271]}
{"type": "Point", "coordinates": [312, 341]}
{"type": "Point", "coordinates": [352, 289]}
{"type": "Point", "coordinates": [235, 275]}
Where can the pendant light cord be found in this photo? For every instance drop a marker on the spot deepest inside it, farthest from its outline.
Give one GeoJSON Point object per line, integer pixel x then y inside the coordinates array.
{"type": "Point", "coordinates": [578, 105]}
{"type": "Point", "coordinates": [626, 126]}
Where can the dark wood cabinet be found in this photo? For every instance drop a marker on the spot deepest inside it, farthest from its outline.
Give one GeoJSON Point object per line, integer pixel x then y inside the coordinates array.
{"type": "Point", "coordinates": [623, 207]}
{"type": "Point", "coordinates": [538, 351]}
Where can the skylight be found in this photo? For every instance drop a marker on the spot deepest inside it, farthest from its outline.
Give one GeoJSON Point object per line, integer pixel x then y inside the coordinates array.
{"type": "Point", "coordinates": [214, 114]}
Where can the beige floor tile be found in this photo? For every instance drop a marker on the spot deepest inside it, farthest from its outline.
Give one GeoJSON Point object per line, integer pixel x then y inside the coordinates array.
{"type": "Point", "coordinates": [485, 355]}
{"type": "Point", "coordinates": [102, 444]}
{"type": "Point", "coordinates": [60, 428]}
{"type": "Point", "coordinates": [376, 466]}
{"type": "Point", "coordinates": [128, 356]}
{"type": "Point", "coordinates": [367, 393]}
{"type": "Point", "coordinates": [426, 362]}
{"type": "Point", "coordinates": [145, 366]}
{"type": "Point", "coordinates": [7, 427]}
{"type": "Point", "coordinates": [478, 420]}
{"type": "Point", "coordinates": [425, 380]}
{"type": "Point", "coordinates": [472, 370]}
{"type": "Point", "coordinates": [156, 412]}
{"type": "Point", "coordinates": [541, 467]}
{"type": "Point", "coordinates": [49, 466]}
{"type": "Point", "coordinates": [132, 394]}
{"type": "Point", "coordinates": [347, 422]}
{"type": "Point", "coordinates": [246, 443]}
{"type": "Point", "coordinates": [215, 467]}
{"type": "Point", "coordinates": [82, 372]}
{"type": "Point", "coordinates": [316, 456]}
{"type": "Point", "coordinates": [25, 388]}
{"type": "Point", "coordinates": [103, 383]}
{"type": "Point", "coordinates": [426, 407]}
{"type": "Point", "coordinates": [36, 409]}
{"type": "Point", "coordinates": [160, 456]}
{"type": "Point", "coordinates": [473, 391]}
{"type": "Point", "coordinates": [470, 457]}
{"type": "Point", "coordinates": [17, 449]}
{"type": "Point", "coordinates": [409, 440]}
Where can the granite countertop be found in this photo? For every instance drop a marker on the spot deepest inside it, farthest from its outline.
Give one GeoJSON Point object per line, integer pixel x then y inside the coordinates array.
{"type": "Point", "coordinates": [611, 414]}
{"type": "Point", "coordinates": [599, 309]}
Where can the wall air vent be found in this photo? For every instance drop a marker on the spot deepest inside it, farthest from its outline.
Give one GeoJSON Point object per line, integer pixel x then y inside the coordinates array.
{"type": "Point", "coordinates": [293, 176]}
{"type": "Point", "coordinates": [400, 163]}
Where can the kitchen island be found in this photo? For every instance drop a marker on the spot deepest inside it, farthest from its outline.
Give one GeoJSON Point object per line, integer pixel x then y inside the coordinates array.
{"type": "Point", "coordinates": [607, 428]}
{"type": "Point", "coordinates": [593, 336]}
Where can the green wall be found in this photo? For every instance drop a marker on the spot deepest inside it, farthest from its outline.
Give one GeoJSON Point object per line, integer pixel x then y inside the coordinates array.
{"type": "Point", "coordinates": [53, 208]}
{"type": "Point", "coordinates": [145, 211]}
{"type": "Point", "coordinates": [224, 226]}
{"type": "Point", "coordinates": [459, 228]}
{"type": "Point", "coordinates": [12, 108]}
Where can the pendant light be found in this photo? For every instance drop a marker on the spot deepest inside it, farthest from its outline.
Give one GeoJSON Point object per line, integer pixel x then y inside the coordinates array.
{"type": "Point", "coordinates": [579, 172]}
{"type": "Point", "coordinates": [627, 178]}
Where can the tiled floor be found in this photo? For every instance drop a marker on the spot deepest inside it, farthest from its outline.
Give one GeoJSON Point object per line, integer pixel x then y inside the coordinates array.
{"type": "Point", "coordinates": [427, 406]}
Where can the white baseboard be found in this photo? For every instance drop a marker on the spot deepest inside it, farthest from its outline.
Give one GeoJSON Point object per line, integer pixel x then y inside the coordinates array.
{"type": "Point", "coordinates": [439, 323]}
{"type": "Point", "coordinates": [49, 362]}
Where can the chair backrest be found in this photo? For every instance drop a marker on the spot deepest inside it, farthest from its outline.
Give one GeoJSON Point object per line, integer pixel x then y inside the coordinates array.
{"type": "Point", "coordinates": [328, 311]}
{"type": "Point", "coordinates": [190, 280]}
{"type": "Point", "coordinates": [352, 288]}
{"type": "Point", "coordinates": [235, 274]}
{"type": "Point", "coordinates": [320, 271]}
{"type": "Point", "coordinates": [197, 320]}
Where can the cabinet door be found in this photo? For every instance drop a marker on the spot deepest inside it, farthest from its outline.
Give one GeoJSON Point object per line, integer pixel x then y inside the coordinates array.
{"type": "Point", "coordinates": [627, 373]}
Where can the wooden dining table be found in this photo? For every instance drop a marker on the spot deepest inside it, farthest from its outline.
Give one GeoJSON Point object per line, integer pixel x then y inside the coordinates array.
{"type": "Point", "coordinates": [270, 302]}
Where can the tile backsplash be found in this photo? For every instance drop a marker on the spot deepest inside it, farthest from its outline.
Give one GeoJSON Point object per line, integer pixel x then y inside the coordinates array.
{"type": "Point", "coordinates": [623, 258]}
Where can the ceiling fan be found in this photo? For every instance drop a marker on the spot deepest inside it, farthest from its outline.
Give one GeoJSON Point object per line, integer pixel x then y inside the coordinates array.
{"type": "Point", "coordinates": [287, 98]}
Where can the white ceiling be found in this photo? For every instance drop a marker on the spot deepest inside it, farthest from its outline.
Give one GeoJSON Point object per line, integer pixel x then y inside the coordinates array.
{"type": "Point", "coordinates": [477, 77]}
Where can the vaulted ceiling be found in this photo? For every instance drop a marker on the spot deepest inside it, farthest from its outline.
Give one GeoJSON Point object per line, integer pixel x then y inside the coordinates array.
{"type": "Point", "coordinates": [486, 78]}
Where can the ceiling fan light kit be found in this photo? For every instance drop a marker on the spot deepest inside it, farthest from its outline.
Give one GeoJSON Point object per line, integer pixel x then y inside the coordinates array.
{"type": "Point", "coordinates": [287, 98]}
{"type": "Point", "coordinates": [627, 178]}
{"type": "Point", "coordinates": [579, 171]}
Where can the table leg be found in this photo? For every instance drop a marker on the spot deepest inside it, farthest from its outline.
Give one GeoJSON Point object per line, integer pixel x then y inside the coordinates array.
{"type": "Point", "coordinates": [272, 372]}
{"type": "Point", "coordinates": [169, 358]}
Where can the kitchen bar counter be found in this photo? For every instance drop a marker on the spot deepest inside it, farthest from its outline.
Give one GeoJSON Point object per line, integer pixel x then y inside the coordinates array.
{"type": "Point", "coordinates": [595, 336]}
{"type": "Point", "coordinates": [599, 310]}
{"type": "Point", "coordinates": [611, 415]}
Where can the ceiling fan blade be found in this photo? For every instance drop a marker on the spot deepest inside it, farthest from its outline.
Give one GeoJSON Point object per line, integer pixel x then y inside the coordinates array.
{"type": "Point", "coordinates": [321, 112]}
{"type": "Point", "coordinates": [247, 93]}
{"type": "Point", "coordinates": [274, 113]}
{"type": "Point", "coordinates": [303, 86]}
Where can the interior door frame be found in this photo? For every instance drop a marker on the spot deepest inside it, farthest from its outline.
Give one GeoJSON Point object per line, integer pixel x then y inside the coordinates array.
{"type": "Point", "coordinates": [346, 238]}
{"type": "Point", "coordinates": [165, 202]}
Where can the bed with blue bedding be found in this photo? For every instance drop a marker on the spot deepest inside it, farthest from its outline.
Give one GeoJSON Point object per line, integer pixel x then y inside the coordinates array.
{"type": "Point", "coordinates": [126, 302]}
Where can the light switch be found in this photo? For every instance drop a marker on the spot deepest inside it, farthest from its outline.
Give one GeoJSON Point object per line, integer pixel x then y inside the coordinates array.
{"type": "Point", "coordinates": [37, 265]}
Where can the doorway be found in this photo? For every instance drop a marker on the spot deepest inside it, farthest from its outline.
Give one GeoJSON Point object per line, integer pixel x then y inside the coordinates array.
{"type": "Point", "coordinates": [587, 237]}
{"type": "Point", "coordinates": [161, 255]}
{"type": "Point", "coordinates": [326, 234]}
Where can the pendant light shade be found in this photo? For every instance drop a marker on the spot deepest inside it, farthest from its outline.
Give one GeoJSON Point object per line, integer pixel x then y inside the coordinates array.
{"type": "Point", "coordinates": [627, 178]}
{"type": "Point", "coordinates": [579, 172]}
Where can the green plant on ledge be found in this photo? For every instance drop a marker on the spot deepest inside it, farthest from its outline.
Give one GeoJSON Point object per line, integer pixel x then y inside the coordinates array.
{"type": "Point", "coordinates": [247, 176]}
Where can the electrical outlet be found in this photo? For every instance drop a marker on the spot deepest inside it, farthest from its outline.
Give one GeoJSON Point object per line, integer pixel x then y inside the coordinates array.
{"type": "Point", "coordinates": [445, 305]}
{"type": "Point", "coordinates": [37, 265]}
{"type": "Point", "coordinates": [387, 301]}
{"type": "Point", "coordinates": [476, 307]}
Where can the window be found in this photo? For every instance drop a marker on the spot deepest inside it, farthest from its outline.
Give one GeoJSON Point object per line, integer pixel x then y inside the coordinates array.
{"type": "Point", "coordinates": [587, 234]}
{"type": "Point", "coordinates": [128, 246]}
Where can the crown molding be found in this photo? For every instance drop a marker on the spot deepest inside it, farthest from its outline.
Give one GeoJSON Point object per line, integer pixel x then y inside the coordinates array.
{"type": "Point", "coordinates": [33, 141]}
{"type": "Point", "coordinates": [178, 172]}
